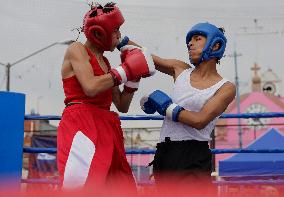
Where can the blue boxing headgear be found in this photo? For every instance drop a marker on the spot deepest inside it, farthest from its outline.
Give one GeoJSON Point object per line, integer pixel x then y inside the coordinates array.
{"type": "Point", "coordinates": [213, 36]}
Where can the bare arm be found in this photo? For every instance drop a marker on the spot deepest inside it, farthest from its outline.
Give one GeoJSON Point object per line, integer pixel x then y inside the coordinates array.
{"type": "Point", "coordinates": [170, 67]}
{"type": "Point", "coordinates": [122, 99]}
{"type": "Point", "coordinates": [78, 57]}
{"type": "Point", "coordinates": [213, 108]}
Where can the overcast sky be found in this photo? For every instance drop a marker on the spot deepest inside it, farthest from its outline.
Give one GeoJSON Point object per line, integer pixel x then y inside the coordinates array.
{"type": "Point", "coordinates": [30, 25]}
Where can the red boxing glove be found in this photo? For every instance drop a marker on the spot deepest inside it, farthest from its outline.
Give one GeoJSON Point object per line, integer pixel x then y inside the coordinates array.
{"type": "Point", "coordinates": [125, 51]}
{"type": "Point", "coordinates": [137, 63]}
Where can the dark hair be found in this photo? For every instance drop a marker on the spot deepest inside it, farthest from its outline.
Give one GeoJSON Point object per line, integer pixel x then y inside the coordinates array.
{"type": "Point", "coordinates": [222, 29]}
{"type": "Point", "coordinates": [108, 7]}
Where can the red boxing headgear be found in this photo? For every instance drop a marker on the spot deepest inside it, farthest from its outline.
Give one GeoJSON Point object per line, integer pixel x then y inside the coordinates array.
{"type": "Point", "coordinates": [104, 24]}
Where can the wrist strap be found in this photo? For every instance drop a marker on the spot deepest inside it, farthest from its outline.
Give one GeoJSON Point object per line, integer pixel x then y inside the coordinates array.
{"type": "Point", "coordinates": [115, 80]}
{"type": "Point", "coordinates": [129, 90]}
{"type": "Point", "coordinates": [131, 86]}
{"type": "Point", "coordinates": [176, 113]}
{"type": "Point", "coordinates": [173, 111]}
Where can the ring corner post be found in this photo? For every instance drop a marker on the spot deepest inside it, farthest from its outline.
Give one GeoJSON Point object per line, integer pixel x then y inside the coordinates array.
{"type": "Point", "coordinates": [12, 115]}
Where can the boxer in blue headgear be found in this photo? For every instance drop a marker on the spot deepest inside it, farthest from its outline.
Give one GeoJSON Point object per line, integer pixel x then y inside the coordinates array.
{"type": "Point", "coordinates": [200, 95]}
{"type": "Point", "coordinates": [213, 36]}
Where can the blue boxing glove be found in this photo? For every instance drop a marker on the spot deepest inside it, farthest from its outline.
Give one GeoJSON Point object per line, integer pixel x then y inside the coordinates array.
{"type": "Point", "coordinates": [147, 106]}
{"type": "Point", "coordinates": [122, 43]}
{"type": "Point", "coordinates": [163, 104]}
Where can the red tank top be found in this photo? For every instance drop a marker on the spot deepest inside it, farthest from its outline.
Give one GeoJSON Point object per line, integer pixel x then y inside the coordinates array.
{"type": "Point", "coordinates": [74, 92]}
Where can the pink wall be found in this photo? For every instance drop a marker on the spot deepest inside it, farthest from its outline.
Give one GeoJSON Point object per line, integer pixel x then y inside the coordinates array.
{"type": "Point", "coordinates": [249, 133]}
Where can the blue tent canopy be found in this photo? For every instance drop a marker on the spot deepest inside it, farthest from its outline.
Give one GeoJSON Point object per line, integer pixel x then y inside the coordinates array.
{"type": "Point", "coordinates": [257, 164]}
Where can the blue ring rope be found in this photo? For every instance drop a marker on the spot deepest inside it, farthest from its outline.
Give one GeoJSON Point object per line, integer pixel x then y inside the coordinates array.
{"type": "Point", "coordinates": [143, 152]}
{"type": "Point", "coordinates": [250, 182]}
{"type": "Point", "coordinates": [41, 181]}
{"type": "Point", "coordinates": [158, 117]}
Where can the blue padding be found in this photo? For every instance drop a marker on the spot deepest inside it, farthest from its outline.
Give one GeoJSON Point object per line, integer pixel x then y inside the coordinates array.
{"type": "Point", "coordinates": [12, 113]}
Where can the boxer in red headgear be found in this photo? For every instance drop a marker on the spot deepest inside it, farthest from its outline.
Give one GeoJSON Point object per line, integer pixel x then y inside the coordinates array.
{"type": "Point", "coordinates": [90, 139]}
{"type": "Point", "coordinates": [99, 29]}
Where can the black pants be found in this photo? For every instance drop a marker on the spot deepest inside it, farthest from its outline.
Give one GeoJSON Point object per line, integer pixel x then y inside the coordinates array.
{"type": "Point", "coordinates": [183, 159]}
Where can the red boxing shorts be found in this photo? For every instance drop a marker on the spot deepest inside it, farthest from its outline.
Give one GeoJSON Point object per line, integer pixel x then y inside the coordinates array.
{"type": "Point", "coordinates": [90, 148]}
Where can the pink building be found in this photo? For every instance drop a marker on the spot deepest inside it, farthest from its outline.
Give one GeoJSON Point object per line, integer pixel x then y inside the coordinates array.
{"type": "Point", "coordinates": [264, 97]}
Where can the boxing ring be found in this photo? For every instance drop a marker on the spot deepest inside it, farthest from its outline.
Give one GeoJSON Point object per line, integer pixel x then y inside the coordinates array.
{"type": "Point", "coordinates": [12, 117]}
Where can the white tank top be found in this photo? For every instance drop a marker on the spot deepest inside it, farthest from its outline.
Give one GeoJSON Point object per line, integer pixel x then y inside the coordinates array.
{"type": "Point", "coordinates": [191, 99]}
